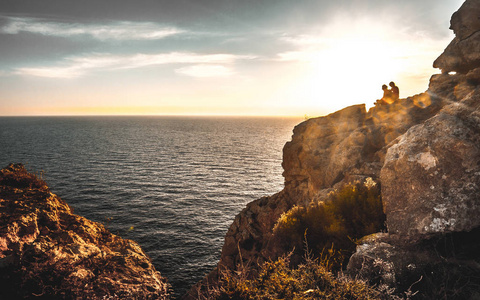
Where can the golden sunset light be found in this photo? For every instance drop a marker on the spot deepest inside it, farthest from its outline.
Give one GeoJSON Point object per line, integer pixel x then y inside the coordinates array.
{"type": "Point", "coordinates": [311, 62]}
{"type": "Point", "coordinates": [240, 149]}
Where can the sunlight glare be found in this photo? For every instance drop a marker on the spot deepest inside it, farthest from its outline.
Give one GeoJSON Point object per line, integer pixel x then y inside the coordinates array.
{"type": "Point", "coordinates": [347, 63]}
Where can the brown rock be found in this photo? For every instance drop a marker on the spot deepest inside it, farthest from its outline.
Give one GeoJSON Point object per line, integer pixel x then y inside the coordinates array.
{"type": "Point", "coordinates": [466, 21]}
{"type": "Point", "coordinates": [47, 251]}
{"type": "Point", "coordinates": [321, 149]}
{"type": "Point", "coordinates": [425, 151]}
{"type": "Point", "coordinates": [441, 267]}
{"type": "Point", "coordinates": [430, 179]}
{"type": "Point", "coordinates": [430, 184]}
{"type": "Point", "coordinates": [463, 53]}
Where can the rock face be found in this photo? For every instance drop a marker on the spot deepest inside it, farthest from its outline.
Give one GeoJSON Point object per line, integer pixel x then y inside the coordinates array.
{"type": "Point", "coordinates": [327, 150]}
{"type": "Point", "coordinates": [324, 153]}
{"type": "Point", "coordinates": [425, 153]}
{"type": "Point", "coordinates": [431, 177]}
{"type": "Point", "coordinates": [322, 149]}
{"type": "Point", "coordinates": [431, 182]}
{"type": "Point", "coordinates": [48, 252]}
{"type": "Point", "coordinates": [463, 55]}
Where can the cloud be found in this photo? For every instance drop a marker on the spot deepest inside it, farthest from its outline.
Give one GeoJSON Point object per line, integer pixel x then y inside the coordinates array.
{"type": "Point", "coordinates": [67, 72]}
{"type": "Point", "coordinates": [141, 60]}
{"type": "Point", "coordinates": [204, 71]}
{"type": "Point", "coordinates": [206, 64]}
{"type": "Point", "coordinates": [304, 39]}
{"type": "Point", "coordinates": [346, 37]}
{"type": "Point", "coordinates": [112, 30]}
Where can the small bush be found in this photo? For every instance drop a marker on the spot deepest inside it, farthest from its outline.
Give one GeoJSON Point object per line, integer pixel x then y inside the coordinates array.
{"type": "Point", "coordinates": [348, 214]}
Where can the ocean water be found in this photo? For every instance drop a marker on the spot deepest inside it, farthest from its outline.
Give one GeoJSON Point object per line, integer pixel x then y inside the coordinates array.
{"type": "Point", "coordinates": [173, 184]}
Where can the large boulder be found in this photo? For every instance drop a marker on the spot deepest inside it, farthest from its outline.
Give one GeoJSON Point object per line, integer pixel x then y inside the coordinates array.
{"type": "Point", "coordinates": [442, 266]}
{"type": "Point", "coordinates": [431, 177]}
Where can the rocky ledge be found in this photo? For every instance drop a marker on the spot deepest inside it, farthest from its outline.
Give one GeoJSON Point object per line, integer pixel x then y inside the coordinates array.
{"type": "Point", "coordinates": [424, 152]}
{"type": "Point", "coordinates": [47, 252]}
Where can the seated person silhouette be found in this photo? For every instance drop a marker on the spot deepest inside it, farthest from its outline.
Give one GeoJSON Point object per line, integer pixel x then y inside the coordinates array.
{"type": "Point", "coordinates": [395, 92]}
{"type": "Point", "coordinates": [387, 95]}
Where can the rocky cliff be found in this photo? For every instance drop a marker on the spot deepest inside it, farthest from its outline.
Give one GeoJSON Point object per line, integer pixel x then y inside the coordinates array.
{"type": "Point", "coordinates": [324, 153]}
{"type": "Point", "coordinates": [47, 252]}
{"type": "Point", "coordinates": [424, 151]}
{"type": "Point", "coordinates": [431, 181]}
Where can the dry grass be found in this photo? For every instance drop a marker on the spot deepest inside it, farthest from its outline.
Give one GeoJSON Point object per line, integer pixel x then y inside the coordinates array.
{"type": "Point", "coordinates": [277, 280]}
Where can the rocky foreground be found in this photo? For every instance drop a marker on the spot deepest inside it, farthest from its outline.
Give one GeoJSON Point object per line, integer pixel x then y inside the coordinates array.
{"type": "Point", "coordinates": [424, 152]}
{"type": "Point", "coordinates": [47, 252]}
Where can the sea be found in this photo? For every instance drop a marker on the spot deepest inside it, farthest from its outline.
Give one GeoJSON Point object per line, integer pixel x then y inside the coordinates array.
{"type": "Point", "coordinates": [172, 184]}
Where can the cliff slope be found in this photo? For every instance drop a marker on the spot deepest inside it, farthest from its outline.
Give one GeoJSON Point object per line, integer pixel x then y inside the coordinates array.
{"type": "Point", "coordinates": [431, 182]}
{"type": "Point", "coordinates": [424, 151]}
{"type": "Point", "coordinates": [48, 252]}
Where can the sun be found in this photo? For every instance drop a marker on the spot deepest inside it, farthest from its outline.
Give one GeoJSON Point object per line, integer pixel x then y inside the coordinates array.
{"type": "Point", "coordinates": [351, 71]}
{"type": "Point", "coordinates": [347, 62]}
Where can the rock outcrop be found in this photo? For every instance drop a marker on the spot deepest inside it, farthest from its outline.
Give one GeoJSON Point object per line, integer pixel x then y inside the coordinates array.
{"type": "Point", "coordinates": [431, 182]}
{"type": "Point", "coordinates": [431, 176]}
{"type": "Point", "coordinates": [425, 153]}
{"type": "Point", "coordinates": [324, 153]}
{"type": "Point", "coordinates": [463, 55]}
{"type": "Point", "coordinates": [48, 252]}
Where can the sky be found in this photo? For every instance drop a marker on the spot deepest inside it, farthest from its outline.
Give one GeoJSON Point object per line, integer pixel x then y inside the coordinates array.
{"type": "Point", "coordinates": [214, 57]}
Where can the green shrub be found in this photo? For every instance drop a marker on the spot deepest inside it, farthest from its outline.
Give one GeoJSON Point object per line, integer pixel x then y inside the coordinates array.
{"type": "Point", "coordinates": [353, 211]}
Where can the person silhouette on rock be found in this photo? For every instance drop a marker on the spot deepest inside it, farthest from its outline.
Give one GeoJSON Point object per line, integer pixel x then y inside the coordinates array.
{"type": "Point", "coordinates": [394, 91]}
{"type": "Point", "coordinates": [387, 95]}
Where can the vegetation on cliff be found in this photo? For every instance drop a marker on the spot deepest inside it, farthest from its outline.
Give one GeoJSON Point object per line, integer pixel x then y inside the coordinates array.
{"type": "Point", "coordinates": [320, 236]}
{"type": "Point", "coordinates": [278, 280]}
{"type": "Point", "coordinates": [349, 213]}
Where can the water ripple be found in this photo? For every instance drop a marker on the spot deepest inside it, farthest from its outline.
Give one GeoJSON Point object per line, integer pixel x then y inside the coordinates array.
{"type": "Point", "coordinates": [172, 184]}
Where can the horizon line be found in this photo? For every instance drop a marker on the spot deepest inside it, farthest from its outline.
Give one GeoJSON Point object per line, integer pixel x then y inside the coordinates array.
{"type": "Point", "coordinates": [157, 115]}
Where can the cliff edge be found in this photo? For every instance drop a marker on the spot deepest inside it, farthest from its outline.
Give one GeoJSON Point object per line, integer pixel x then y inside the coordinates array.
{"type": "Point", "coordinates": [47, 252]}
{"type": "Point", "coordinates": [424, 152]}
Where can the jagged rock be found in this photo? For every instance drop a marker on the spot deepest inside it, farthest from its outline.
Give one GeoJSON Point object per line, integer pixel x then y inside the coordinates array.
{"type": "Point", "coordinates": [463, 53]}
{"type": "Point", "coordinates": [382, 262]}
{"type": "Point", "coordinates": [47, 251]}
{"type": "Point", "coordinates": [324, 153]}
{"type": "Point", "coordinates": [445, 266]}
{"type": "Point", "coordinates": [321, 149]}
{"type": "Point", "coordinates": [466, 21]}
{"type": "Point", "coordinates": [251, 230]}
{"type": "Point", "coordinates": [450, 88]}
{"type": "Point", "coordinates": [424, 150]}
{"type": "Point", "coordinates": [327, 150]}
{"type": "Point", "coordinates": [431, 177]}
{"type": "Point", "coordinates": [430, 184]}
